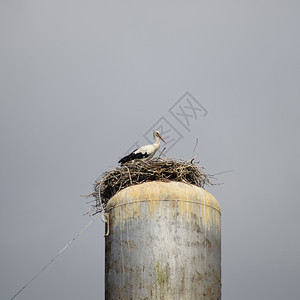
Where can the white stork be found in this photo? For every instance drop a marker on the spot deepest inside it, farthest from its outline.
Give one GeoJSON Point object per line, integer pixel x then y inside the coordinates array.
{"type": "Point", "coordinates": [147, 151]}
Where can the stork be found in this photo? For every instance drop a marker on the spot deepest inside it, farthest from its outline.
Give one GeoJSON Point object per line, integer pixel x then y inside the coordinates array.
{"type": "Point", "coordinates": [144, 152]}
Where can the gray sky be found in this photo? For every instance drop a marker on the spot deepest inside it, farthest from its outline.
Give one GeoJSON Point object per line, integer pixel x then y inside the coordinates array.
{"type": "Point", "coordinates": [82, 81]}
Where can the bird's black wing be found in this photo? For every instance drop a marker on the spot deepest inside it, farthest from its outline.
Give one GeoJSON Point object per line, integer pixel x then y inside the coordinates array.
{"type": "Point", "coordinates": [133, 156]}
{"type": "Point", "coordinates": [127, 158]}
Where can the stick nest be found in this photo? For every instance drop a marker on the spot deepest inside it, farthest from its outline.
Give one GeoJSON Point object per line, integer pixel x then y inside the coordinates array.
{"type": "Point", "coordinates": [140, 171]}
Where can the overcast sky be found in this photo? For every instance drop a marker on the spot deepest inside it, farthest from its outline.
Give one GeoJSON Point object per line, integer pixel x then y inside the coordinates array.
{"type": "Point", "coordinates": [84, 81]}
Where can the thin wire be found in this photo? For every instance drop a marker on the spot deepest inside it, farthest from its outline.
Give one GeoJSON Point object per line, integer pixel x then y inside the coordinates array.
{"type": "Point", "coordinates": [55, 257]}
{"type": "Point", "coordinates": [162, 200]}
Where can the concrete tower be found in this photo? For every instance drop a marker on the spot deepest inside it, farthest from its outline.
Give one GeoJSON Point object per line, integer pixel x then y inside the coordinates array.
{"type": "Point", "coordinates": [164, 242]}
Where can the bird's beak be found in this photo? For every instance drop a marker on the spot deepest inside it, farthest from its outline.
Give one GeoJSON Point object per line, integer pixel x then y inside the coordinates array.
{"type": "Point", "coordinates": [162, 139]}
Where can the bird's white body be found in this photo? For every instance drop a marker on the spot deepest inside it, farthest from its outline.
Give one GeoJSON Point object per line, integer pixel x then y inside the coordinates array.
{"type": "Point", "coordinates": [144, 152]}
{"type": "Point", "coordinates": [148, 150]}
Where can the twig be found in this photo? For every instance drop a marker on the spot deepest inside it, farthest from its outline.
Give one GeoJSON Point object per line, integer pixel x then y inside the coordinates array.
{"type": "Point", "coordinates": [195, 147]}
{"type": "Point", "coordinates": [227, 171]}
{"type": "Point", "coordinates": [163, 150]}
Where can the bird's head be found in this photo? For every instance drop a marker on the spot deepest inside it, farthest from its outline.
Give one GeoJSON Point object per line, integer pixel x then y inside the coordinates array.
{"type": "Point", "coordinates": [157, 134]}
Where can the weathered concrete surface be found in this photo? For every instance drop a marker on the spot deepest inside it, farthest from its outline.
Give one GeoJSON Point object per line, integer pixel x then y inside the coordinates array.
{"type": "Point", "coordinates": [164, 243]}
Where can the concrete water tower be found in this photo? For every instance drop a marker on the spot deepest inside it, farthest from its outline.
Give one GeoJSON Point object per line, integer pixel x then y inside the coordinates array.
{"type": "Point", "coordinates": [163, 242]}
